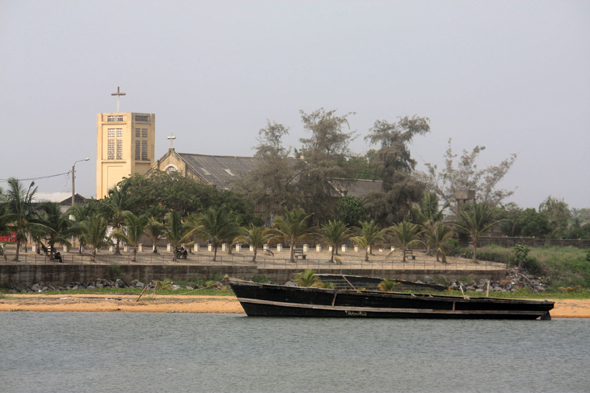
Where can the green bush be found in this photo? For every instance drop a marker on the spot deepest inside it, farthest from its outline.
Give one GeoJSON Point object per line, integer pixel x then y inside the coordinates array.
{"type": "Point", "coordinates": [261, 279]}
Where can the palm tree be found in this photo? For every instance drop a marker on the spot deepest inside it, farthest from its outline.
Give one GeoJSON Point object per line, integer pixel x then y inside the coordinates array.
{"type": "Point", "coordinates": [174, 230]}
{"type": "Point", "coordinates": [114, 207]}
{"type": "Point", "coordinates": [215, 225]}
{"type": "Point", "coordinates": [22, 212]}
{"type": "Point", "coordinates": [134, 230]}
{"type": "Point", "coordinates": [438, 236]}
{"type": "Point", "coordinates": [370, 234]}
{"type": "Point", "coordinates": [334, 233]}
{"type": "Point", "coordinates": [308, 279]}
{"type": "Point", "coordinates": [81, 214]}
{"type": "Point", "coordinates": [95, 233]}
{"type": "Point", "coordinates": [476, 219]}
{"type": "Point", "coordinates": [291, 226]}
{"type": "Point", "coordinates": [255, 237]}
{"type": "Point", "coordinates": [405, 234]}
{"type": "Point", "coordinates": [387, 285]}
{"type": "Point", "coordinates": [57, 226]}
{"type": "Point", "coordinates": [427, 215]}
{"type": "Point", "coordinates": [154, 229]}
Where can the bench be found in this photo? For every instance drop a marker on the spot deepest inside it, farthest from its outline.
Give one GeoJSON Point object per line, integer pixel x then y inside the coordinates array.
{"type": "Point", "coordinates": [299, 254]}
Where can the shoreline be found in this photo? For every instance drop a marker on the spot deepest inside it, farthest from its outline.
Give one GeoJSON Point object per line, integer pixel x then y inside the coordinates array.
{"type": "Point", "coordinates": [564, 308]}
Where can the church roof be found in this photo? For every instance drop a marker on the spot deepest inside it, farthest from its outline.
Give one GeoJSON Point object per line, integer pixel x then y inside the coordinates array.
{"type": "Point", "coordinates": [219, 170]}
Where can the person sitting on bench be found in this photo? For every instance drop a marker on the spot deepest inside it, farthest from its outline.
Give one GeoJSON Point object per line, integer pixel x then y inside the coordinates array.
{"type": "Point", "coordinates": [57, 257]}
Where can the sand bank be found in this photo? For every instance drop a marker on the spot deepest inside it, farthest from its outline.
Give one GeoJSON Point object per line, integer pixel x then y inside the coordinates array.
{"type": "Point", "coordinates": [570, 308]}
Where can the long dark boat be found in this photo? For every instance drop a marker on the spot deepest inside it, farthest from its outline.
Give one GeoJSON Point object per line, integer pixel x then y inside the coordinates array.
{"type": "Point", "coordinates": [270, 300]}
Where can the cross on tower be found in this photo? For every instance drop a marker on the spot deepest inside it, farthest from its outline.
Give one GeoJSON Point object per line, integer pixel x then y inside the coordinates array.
{"type": "Point", "coordinates": [172, 138]}
{"type": "Point", "coordinates": [118, 94]}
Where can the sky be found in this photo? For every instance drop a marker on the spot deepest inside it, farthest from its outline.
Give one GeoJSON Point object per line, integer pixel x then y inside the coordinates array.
{"type": "Point", "coordinates": [513, 76]}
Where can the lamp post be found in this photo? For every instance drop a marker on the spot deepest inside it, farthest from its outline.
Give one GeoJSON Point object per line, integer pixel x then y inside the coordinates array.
{"type": "Point", "coordinates": [74, 179]}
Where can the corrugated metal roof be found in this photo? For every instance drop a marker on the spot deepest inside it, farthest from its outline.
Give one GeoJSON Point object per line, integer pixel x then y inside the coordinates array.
{"type": "Point", "coordinates": [219, 170]}
{"type": "Point", "coordinates": [56, 197]}
{"type": "Point", "coordinates": [357, 188]}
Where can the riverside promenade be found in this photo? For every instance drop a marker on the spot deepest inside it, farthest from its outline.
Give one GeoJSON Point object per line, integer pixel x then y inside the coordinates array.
{"type": "Point", "coordinates": [33, 267]}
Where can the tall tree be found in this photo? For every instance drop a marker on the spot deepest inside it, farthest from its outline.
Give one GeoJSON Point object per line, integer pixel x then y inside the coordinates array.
{"type": "Point", "coordinates": [95, 233]}
{"type": "Point", "coordinates": [115, 206]}
{"type": "Point", "coordinates": [321, 160]}
{"type": "Point", "coordinates": [405, 234]}
{"type": "Point", "coordinates": [334, 233]}
{"type": "Point", "coordinates": [216, 225]}
{"type": "Point", "coordinates": [80, 214]}
{"type": "Point", "coordinates": [427, 214]}
{"type": "Point", "coordinates": [291, 226]}
{"type": "Point", "coordinates": [132, 232]}
{"type": "Point", "coordinates": [56, 226]}
{"type": "Point", "coordinates": [465, 175]}
{"type": "Point", "coordinates": [558, 214]}
{"type": "Point", "coordinates": [175, 231]}
{"type": "Point", "coordinates": [437, 238]}
{"type": "Point", "coordinates": [154, 229]}
{"type": "Point", "coordinates": [476, 219]}
{"type": "Point", "coordinates": [369, 235]}
{"type": "Point", "coordinates": [393, 155]}
{"type": "Point", "coordinates": [22, 211]}
{"type": "Point", "coordinates": [255, 236]}
{"type": "Point", "coordinates": [273, 182]}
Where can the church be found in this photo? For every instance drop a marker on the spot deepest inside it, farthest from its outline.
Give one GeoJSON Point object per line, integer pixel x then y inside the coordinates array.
{"type": "Point", "coordinates": [126, 146]}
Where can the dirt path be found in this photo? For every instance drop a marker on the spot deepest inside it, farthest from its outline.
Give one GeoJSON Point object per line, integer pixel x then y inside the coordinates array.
{"type": "Point", "coordinates": [569, 308]}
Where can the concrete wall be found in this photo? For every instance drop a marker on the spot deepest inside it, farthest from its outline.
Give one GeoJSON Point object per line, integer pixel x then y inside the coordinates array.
{"type": "Point", "coordinates": [64, 274]}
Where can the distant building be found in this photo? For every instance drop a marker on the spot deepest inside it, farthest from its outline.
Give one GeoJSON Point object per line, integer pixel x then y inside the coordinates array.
{"type": "Point", "coordinates": [125, 144]}
{"type": "Point", "coordinates": [63, 199]}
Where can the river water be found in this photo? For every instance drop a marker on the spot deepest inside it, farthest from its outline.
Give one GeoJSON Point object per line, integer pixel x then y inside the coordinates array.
{"type": "Point", "coordinates": [133, 352]}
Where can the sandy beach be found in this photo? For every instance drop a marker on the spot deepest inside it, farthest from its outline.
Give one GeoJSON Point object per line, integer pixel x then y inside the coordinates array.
{"type": "Point", "coordinates": [569, 308]}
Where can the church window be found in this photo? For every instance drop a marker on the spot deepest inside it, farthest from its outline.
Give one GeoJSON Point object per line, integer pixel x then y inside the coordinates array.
{"type": "Point", "coordinates": [111, 132]}
{"type": "Point", "coordinates": [144, 132]}
{"type": "Point", "coordinates": [137, 150]}
{"type": "Point", "coordinates": [119, 150]}
{"type": "Point", "coordinates": [119, 133]}
{"type": "Point", "coordinates": [111, 153]}
{"type": "Point", "coordinates": [144, 150]}
{"type": "Point", "coordinates": [137, 132]}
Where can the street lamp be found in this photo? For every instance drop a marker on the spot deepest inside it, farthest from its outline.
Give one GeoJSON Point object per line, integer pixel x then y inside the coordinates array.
{"type": "Point", "coordinates": [74, 180]}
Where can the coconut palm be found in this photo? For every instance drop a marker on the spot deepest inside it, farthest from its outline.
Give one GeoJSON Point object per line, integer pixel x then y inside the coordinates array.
{"type": "Point", "coordinates": [95, 233]}
{"type": "Point", "coordinates": [133, 231]}
{"type": "Point", "coordinates": [426, 214]}
{"type": "Point", "coordinates": [334, 233]}
{"type": "Point", "coordinates": [216, 225]}
{"type": "Point", "coordinates": [255, 236]}
{"type": "Point", "coordinates": [369, 235]}
{"type": "Point", "coordinates": [308, 279]}
{"type": "Point", "coordinates": [154, 229]}
{"type": "Point", "coordinates": [476, 219]}
{"type": "Point", "coordinates": [114, 206]}
{"type": "Point", "coordinates": [387, 285]}
{"type": "Point", "coordinates": [57, 226]}
{"type": "Point", "coordinates": [291, 226]}
{"type": "Point", "coordinates": [438, 236]}
{"type": "Point", "coordinates": [175, 231]}
{"type": "Point", "coordinates": [22, 212]}
{"type": "Point", "coordinates": [405, 234]}
{"type": "Point", "coordinates": [81, 214]}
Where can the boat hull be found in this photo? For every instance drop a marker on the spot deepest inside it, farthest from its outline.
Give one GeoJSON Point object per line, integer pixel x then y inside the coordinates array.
{"type": "Point", "coordinates": [284, 301]}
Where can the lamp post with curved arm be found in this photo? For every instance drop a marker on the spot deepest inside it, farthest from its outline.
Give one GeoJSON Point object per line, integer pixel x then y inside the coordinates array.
{"type": "Point", "coordinates": [74, 179]}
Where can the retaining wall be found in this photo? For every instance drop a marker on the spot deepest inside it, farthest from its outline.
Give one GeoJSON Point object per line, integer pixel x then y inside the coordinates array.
{"type": "Point", "coordinates": [59, 274]}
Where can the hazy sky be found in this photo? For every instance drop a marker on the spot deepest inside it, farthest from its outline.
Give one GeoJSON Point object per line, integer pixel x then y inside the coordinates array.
{"type": "Point", "coordinates": [513, 76]}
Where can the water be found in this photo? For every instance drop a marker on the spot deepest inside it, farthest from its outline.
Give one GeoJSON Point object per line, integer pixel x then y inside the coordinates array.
{"type": "Point", "coordinates": [129, 352]}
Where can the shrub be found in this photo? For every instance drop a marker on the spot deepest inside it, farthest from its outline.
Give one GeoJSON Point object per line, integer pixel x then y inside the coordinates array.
{"type": "Point", "coordinates": [261, 279]}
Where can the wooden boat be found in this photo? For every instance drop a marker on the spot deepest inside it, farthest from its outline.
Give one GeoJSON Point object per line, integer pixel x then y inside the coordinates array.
{"type": "Point", "coordinates": [270, 300]}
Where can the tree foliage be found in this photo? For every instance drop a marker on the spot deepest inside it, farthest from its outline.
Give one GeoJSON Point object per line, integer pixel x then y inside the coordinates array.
{"type": "Point", "coordinates": [351, 211]}
{"type": "Point", "coordinates": [464, 174]}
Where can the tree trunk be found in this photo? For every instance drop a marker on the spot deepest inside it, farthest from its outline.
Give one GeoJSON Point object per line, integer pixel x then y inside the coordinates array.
{"type": "Point", "coordinates": [155, 247]}
{"type": "Point", "coordinates": [134, 254]}
{"type": "Point", "coordinates": [254, 256]}
{"type": "Point", "coordinates": [17, 249]}
{"type": "Point", "coordinates": [291, 258]}
{"type": "Point", "coordinates": [403, 254]}
{"type": "Point", "coordinates": [367, 254]}
{"type": "Point", "coordinates": [214, 253]}
{"type": "Point", "coordinates": [117, 250]}
{"type": "Point", "coordinates": [332, 255]}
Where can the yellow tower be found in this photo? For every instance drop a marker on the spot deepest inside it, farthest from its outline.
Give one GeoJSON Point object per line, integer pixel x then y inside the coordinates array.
{"type": "Point", "coordinates": [125, 146]}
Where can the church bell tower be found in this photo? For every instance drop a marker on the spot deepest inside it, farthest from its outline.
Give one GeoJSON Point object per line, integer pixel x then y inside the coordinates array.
{"type": "Point", "coordinates": [125, 146]}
